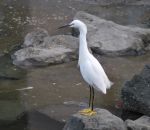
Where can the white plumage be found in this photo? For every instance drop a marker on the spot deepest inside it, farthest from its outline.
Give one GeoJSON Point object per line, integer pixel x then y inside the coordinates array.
{"type": "Point", "coordinates": [90, 68]}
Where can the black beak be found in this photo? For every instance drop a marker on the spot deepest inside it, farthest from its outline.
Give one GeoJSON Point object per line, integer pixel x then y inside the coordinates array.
{"type": "Point", "coordinates": [64, 26]}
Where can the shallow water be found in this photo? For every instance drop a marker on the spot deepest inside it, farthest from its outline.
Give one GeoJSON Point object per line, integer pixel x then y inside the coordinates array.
{"type": "Point", "coordinates": [43, 98]}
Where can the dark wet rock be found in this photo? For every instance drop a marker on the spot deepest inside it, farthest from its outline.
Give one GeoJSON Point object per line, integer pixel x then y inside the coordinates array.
{"type": "Point", "coordinates": [40, 121]}
{"type": "Point", "coordinates": [136, 93]}
{"type": "Point", "coordinates": [1, 54]}
{"type": "Point", "coordinates": [109, 38]}
{"type": "Point", "coordinates": [32, 120]}
{"type": "Point", "coordinates": [53, 50]}
{"type": "Point", "coordinates": [142, 123]}
{"type": "Point", "coordinates": [9, 110]}
{"type": "Point", "coordinates": [127, 114]}
{"type": "Point", "coordinates": [9, 71]}
{"type": "Point", "coordinates": [3, 77]}
{"type": "Point", "coordinates": [103, 120]}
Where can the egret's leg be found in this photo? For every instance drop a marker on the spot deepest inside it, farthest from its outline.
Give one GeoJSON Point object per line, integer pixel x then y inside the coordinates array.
{"type": "Point", "coordinates": [93, 94]}
{"type": "Point", "coordinates": [87, 110]}
{"type": "Point", "coordinates": [91, 112]}
{"type": "Point", "coordinates": [90, 96]}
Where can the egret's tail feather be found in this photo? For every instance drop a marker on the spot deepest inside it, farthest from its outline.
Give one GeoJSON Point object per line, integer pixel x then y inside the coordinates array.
{"type": "Point", "coordinates": [109, 86]}
{"type": "Point", "coordinates": [111, 83]}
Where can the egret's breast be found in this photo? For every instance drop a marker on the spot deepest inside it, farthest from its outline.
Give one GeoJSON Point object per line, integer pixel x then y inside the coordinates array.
{"type": "Point", "coordinates": [85, 72]}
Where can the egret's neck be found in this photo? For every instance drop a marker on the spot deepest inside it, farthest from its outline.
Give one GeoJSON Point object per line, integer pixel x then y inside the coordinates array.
{"type": "Point", "coordinates": [83, 48]}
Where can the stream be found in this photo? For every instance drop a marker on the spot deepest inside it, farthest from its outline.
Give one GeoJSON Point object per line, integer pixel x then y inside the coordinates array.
{"type": "Point", "coordinates": [44, 98]}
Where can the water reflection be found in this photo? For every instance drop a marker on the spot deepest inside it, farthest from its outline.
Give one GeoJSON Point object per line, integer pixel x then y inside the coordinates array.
{"type": "Point", "coordinates": [12, 15]}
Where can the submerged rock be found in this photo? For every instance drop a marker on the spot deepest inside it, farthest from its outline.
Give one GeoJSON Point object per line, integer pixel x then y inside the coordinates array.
{"type": "Point", "coordinates": [1, 54]}
{"type": "Point", "coordinates": [49, 50]}
{"type": "Point", "coordinates": [143, 123]}
{"type": "Point", "coordinates": [136, 93]}
{"type": "Point", "coordinates": [10, 109]}
{"type": "Point", "coordinates": [3, 77]}
{"type": "Point", "coordinates": [103, 120]}
{"type": "Point", "coordinates": [109, 38]}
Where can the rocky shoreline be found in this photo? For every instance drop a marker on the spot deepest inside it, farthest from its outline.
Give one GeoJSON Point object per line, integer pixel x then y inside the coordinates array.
{"type": "Point", "coordinates": [104, 38]}
{"type": "Point", "coordinates": [104, 120]}
{"type": "Point", "coordinates": [135, 97]}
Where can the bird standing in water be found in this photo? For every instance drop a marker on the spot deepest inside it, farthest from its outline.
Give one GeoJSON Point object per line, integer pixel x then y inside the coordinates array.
{"type": "Point", "coordinates": [91, 70]}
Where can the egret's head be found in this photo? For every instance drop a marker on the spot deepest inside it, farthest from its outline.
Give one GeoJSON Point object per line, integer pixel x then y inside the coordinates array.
{"type": "Point", "coordinates": [78, 25]}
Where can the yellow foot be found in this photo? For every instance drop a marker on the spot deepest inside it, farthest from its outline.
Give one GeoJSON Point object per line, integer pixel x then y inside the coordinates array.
{"type": "Point", "coordinates": [91, 113]}
{"type": "Point", "coordinates": [87, 112]}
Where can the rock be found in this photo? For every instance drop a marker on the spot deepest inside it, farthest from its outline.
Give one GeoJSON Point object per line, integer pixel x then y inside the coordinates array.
{"type": "Point", "coordinates": [142, 2]}
{"type": "Point", "coordinates": [1, 54]}
{"type": "Point", "coordinates": [142, 123]}
{"type": "Point", "coordinates": [3, 77]}
{"type": "Point", "coordinates": [111, 2]}
{"type": "Point", "coordinates": [136, 93]}
{"type": "Point", "coordinates": [115, 2]}
{"type": "Point", "coordinates": [40, 121]}
{"type": "Point", "coordinates": [103, 120]}
{"type": "Point", "coordinates": [35, 38]}
{"type": "Point", "coordinates": [9, 110]}
{"type": "Point", "coordinates": [104, 2]}
{"type": "Point", "coordinates": [109, 38]}
{"type": "Point", "coordinates": [104, 37]}
{"type": "Point", "coordinates": [52, 50]}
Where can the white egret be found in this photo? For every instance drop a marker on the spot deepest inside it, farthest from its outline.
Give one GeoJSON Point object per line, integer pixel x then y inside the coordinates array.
{"type": "Point", "coordinates": [90, 68]}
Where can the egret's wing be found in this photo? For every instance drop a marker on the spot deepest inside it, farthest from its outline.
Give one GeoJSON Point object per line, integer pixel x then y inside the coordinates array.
{"type": "Point", "coordinates": [100, 71]}
{"type": "Point", "coordinates": [92, 77]}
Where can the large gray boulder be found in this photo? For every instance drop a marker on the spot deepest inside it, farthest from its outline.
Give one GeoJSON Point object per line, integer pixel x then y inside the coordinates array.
{"type": "Point", "coordinates": [103, 120]}
{"type": "Point", "coordinates": [46, 50]}
{"type": "Point", "coordinates": [143, 123]}
{"type": "Point", "coordinates": [136, 93]}
{"type": "Point", "coordinates": [107, 37]}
